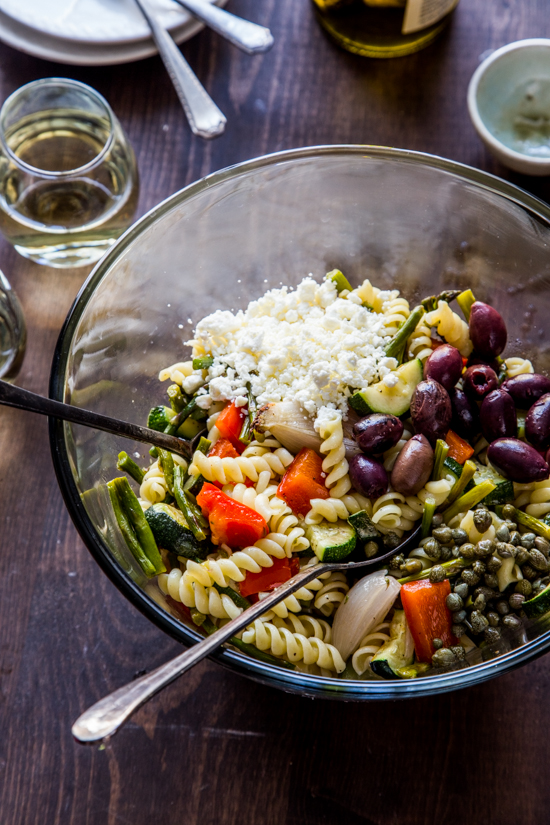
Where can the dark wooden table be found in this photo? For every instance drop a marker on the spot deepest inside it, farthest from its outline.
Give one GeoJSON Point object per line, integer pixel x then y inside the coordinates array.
{"type": "Point", "coordinates": [214, 748]}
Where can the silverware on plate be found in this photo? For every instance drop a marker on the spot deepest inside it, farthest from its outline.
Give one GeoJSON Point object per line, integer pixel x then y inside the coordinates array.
{"type": "Point", "coordinates": [105, 717]}
{"type": "Point", "coordinates": [205, 118]}
{"type": "Point", "coordinates": [248, 36]}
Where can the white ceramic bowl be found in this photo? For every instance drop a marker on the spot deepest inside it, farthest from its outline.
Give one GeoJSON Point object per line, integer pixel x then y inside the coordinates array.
{"type": "Point", "coordinates": [509, 104]}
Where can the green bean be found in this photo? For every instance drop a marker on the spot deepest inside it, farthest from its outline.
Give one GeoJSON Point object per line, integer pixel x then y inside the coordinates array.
{"type": "Point", "coordinates": [204, 445]}
{"type": "Point", "coordinates": [427, 517]}
{"type": "Point", "coordinates": [128, 533]}
{"type": "Point", "coordinates": [339, 280]}
{"type": "Point", "coordinates": [468, 472]}
{"type": "Point", "coordinates": [441, 452]}
{"type": "Point", "coordinates": [203, 363]}
{"type": "Point", "coordinates": [178, 419]}
{"type": "Point", "coordinates": [245, 435]}
{"type": "Point", "coordinates": [166, 462]}
{"type": "Point", "coordinates": [144, 535]}
{"type": "Point", "coordinates": [534, 524]}
{"type": "Point", "coordinates": [397, 345]}
{"type": "Point", "coordinates": [178, 399]}
{"type": "Point", "coordinates": [447, 295]}
{"type": "Point", "coordinates": [465, 301]}
{"type": "Point", "coordinates": [468, 500]}
{"type": "Point", "coordinates": [128, 465]}
{"type": "Point", "coordinates": [193, 516]}
{"type": "Point", "coordinates": [239, 600]}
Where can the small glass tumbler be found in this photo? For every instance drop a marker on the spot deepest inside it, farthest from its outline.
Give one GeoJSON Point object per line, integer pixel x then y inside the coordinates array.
{"type": "Point", "coordinates": [68, 178]}
{"type": "Point", "coordinates": [13, 332]}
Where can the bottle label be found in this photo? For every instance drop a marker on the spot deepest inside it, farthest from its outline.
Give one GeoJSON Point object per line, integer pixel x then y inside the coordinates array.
{"type": "Point", "coordinates": [420, 14]}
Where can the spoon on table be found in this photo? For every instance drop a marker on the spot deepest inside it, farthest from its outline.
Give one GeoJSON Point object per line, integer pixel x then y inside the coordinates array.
{"type": "Point", "coordinates": [105, 717]}
{"type": "Point", "coordinates": [11, 396]}
{"type": "Point", "coordinates": [205, 119]}
{"type": "Point", "coordinates": [248, 36]}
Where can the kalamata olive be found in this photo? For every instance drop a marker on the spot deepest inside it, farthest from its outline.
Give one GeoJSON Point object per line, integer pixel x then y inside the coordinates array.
{"type": "Point", "coordinates": [537, 423]}
{"type": "Point", "coordinates": [479, 381]}
{"type": "Point", "coordinates": [368, 476]}
{"type": "Point", "coordinates": [378, 432]}
{"type": "Point", "coordinates": [444, 365]}
{"type": "Point", "coordinates": [475, 359]}
{"type": "Point", "coordinates": [518, 461]}
{"type": "Point", "coordinates": [413, 467]}
{"type": "Point", "coordinates": [465, 414]}
{"type": "Point", "coordinates": [431, 410]}
{"type": "Point", "coordinates": [487, 330]}
{"type": "Point", "coordinates": [498, 416]}
{"type": "Point", "coordinates": [526, 389]}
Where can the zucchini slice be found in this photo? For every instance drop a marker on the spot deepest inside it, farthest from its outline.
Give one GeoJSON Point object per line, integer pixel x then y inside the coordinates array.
{"type": "Point", "coordinates": [159, 418]}
{"type": "Point", "coordinates": [364, 527]}
{"type": "Point", "coordinates": [331, 542]}
{"type": "Point", "coordinates": [398, 652]}
{"type": "Point", "coordinates": [504, 490]}
{"type": "Point", "coordinates": [172, 533]}
{"type": "Point", "coordinates": [452, 468]}
{"type": "Point", "coordinates": [394, 400]}
{"type": "Point", "coordinates": [539, 605]}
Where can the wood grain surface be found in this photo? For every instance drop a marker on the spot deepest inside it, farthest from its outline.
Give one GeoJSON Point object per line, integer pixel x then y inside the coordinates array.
{"type": "Point", "coordinates": [215, 748]}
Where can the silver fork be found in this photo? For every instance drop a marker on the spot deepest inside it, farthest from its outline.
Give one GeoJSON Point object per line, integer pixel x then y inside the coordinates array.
{"type": "Point", "coordinates": [105, 717]}
{"type": "Point", "coordinates": [205, 118]}
{"type": "Point", "coordinates": [248, 36]}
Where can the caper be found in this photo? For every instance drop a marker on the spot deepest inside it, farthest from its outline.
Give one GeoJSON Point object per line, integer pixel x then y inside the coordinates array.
{"type": "Point", "coordinates": [516, 600]}
{"type": "Point", "coordinates": [391, 540]}
{"type": "Point", "coordinates": [491, 580]}
{"type": "Point", "coordinates": [484, 548]}
{"type": "Point", "coordinates": [446, 553]}
{"type": "Point", "coordinates": [493, 618]}
{"type": "Point", "coordinates": [432, 549]}
{"type": "Point", "coordinates": [480, 603]}
{"type": "Point", "coordinates": [454, 602]}
{"type": "Point", "coordinates": [437, 574]}
{"type": "Point", "coordinates": [528, 540]}
{"type": "Point", "coordinates": [458, 630]}
{"type": "Point", "coordinates": [503, 607]}
{"type": "Point", "coordinates": [524, 587]}
{"type": "Point", "coordinates": [412, 566]}
{"type": "Point", "coordinates": [509, 511]}
{"type": "Point", "coordinates": [443, 535]}
{"type": "Point", "coordinates": [479, 568]}
{"type": "Point", "coordinates": [468, 551]}
{"type": "Point", "coordinates": [443, 657]}
{"type": "Point", "coordinates": [529, 572]}
{"type": "Point", "coordinates": [515, 538]}
{"type": "Point", "coordinates": [512, 622]}
{"type": "Point", "coordinates": [488, 592]}
{"type": "Point", "coordinates": [494, 564]}
{"type": "Point", "coordinates": [522, 555]}
{"type": "Point", "coordinates": [511, 525]}
{"type": "Point", "coordinates": [458, 651]}
{"type": "Point", "coordinates": [461, 588]}
{"type": "Point", "coordinates": [491, 634]}
{"type": "Point", "coordinates": [397, 561]}
{"type": "Point", "coordinates": [455, 551]}
{"type": "Point", "coordinates": [505, 551]}
{"type": "Point", "coordinates": [478, 621]}
{"type": "Point", "coordinates": [542, 545]}
{"type": "Point", "coordinates": [460, 536]}
{"type": "Point", "coordinates": [503, 534]}
{"type": "Point", "coordinates": [482, 520]}
{"type": "Point", "coordinates": [469, 577]}
{"type": "Point", "coordinates": [459, 616]}
{"type": "Point", "coordinates": [437, 643]}
{"type": "Point", "coordinates": [371, 549]}
{"type": "Point", "coordinates": [538, 560]}
{"type": "Point", "coordinates": [437, 520]}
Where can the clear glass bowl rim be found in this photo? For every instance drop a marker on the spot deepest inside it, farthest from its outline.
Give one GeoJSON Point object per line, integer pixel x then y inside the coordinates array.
{"type": "Point", "coordinates": [292, 681]}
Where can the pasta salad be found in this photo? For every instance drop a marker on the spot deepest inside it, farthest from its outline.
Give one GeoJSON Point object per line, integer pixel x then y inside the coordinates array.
{"type": "Point", "coordinates": [328, 423]}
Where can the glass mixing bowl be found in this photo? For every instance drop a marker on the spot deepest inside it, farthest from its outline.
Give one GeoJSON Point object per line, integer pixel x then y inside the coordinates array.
{"type": "Point", "coordinates": [403, 219]}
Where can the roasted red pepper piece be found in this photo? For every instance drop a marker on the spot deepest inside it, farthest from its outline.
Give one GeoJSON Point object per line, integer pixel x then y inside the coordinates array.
{"type": "Point", "coordinates": [303, 480]}
{"type": "Point", "coordinates": [459, 449]}
{"type": "Point", "coordinates": [230, 423]}
{"type": "Point", "coordinates": [427, 615]}
{"type": "Point", "coordinates": [231, 523]}
{"type": "Point", "coordinates": [267, 579]}
{"type": "Point", "coordinates": [223, 448]}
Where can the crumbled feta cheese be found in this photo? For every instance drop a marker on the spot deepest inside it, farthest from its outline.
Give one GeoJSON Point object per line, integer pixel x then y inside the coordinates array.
{"type": "Point", "coordinates": [309, 344]}
{"type": "Point", "coordinates": [192, 383]}
{"type": "Point", "coordinates": [390, 379]}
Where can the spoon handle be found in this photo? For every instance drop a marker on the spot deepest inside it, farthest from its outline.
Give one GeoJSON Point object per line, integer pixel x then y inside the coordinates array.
{"type": "Point", "coordinates": [248, 36]}
{"type": "Point", "coordinates": [105, 717]}
{"type": "Point", "coordinates": [11, 396]}
{"type": "Point", "coordinates": [205, 119]}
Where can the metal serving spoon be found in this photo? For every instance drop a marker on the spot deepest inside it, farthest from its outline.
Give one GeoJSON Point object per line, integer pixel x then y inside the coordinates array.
{"type": "Point", "coordinates": [248, 36]}
{"type": "Point", "coordinates": [105, 717]}
{"type": "Point", "coordinates": [205, 119]}
{"type": "Point", "coordinates": [11, 396]}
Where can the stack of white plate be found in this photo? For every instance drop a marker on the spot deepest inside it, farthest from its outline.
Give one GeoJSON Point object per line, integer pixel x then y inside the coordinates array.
{"type": "Point", "coordinates": [89, 32]}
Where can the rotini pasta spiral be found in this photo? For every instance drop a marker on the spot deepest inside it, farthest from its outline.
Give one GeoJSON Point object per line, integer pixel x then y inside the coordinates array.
{"type": "Point", "coordinates": [285, 524]}
{"type": "Point", "coordinates": [332, 509]}
{"type": "Point", "coordinates": [420, 342]}
{"type": "Point", "coordinates": [177, 373]}
{"type": "Point", "coordinates": [517, 366]}
{"type": "Point", "coordinates": [307, 626]}
{"type": "Point", "coordinates": [395, 313]}
{"type": "Point", "coordinates": [370, 295]}
{"type": "Point", "coordinates": [452, 328]}
{"type": "Point", "coordinates": [294, 647]}
{"type": "Point", "coordinates": [539, 502]}
{"type": "Point", "coordinates": [153, 488]}
{"type": "Point", "coordinates": [335, 464]}
{"type": "Point", "coordinates": [265, 503]}
{"type": "Point", "coordinates": [332, 594]}
{"type": "Point", "coordinates": [225, 470]}
{"type": "Point", "coordinates": [369, 647]}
